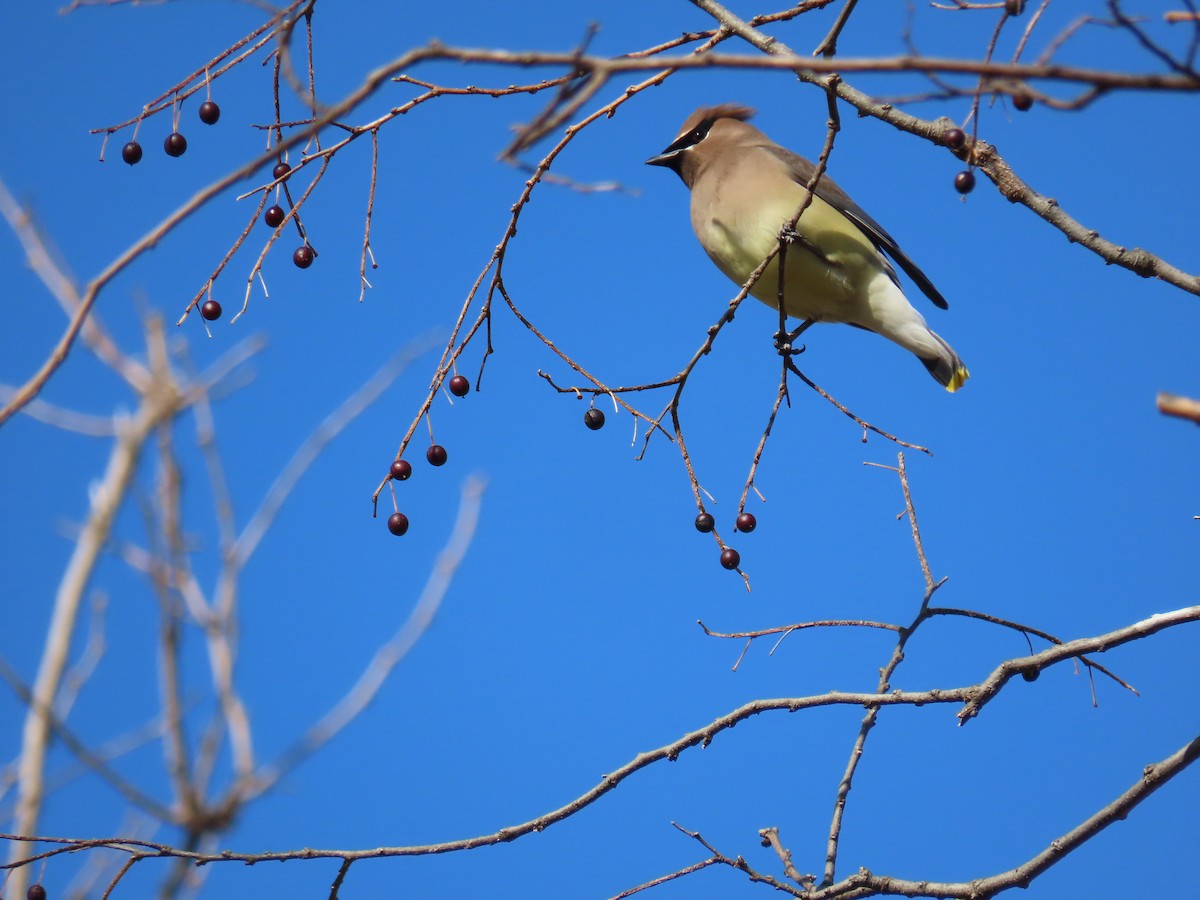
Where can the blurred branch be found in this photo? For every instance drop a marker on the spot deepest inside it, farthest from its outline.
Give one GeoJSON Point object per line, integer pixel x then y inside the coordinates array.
{"type": "Point", "coordinates": [43, 259]}
{"type": "Point", "coordinates": [60, 417]}
{"type": "Point", "coordinates": [94, 761]}
{"type": "Point", "coordinates": [394, 651]}
{"type": "Point", "coordinates": [1181, 407]}
{"type": "Point", "coordinates": [291, 473]}
{"type": "Point", "coordinates": [218, 619]}
{"type": "Point", "coordinates": [165, 524]}
{"type": "Point", "coordinates": [112, 748]}
{"type": "Point", "coordinates": [160, 402]}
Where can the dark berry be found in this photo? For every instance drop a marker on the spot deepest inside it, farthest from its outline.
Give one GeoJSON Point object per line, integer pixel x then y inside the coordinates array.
{"type": "Point", "coordinates": [1022, 102]}
{"type": "Point", "coordinates": [594, 419]}
{"type": "Point", "coordinates": [1014, 7]}
{"type": "Point", "coordinates": [36, 892]}
{"type": "Point", "coordinates": [459, 386]}
{"type": "Point", "coordinates": [746, 522]}
{"type": "Point", "coordinates": [211, 310]}
{"type": "Point", "coordinates": [1031, 674]}
{"type": "Point", "coordinates": [955, 138]}
{"type": "Point", "coordinates": [436, 454]}
{"type": "Point", "coordinates": [132, 153]}
{"type": "Point", "coordinates": [274, 216]}
{"type": "Point", "coordinates": [401, 469]}
{"type": "Point", "coordinates": [730, 558]}
{"type": "Point", "coordinates": [280, 170]}
{"type": "Point", "coordinates": [964, 182]}
{"type": "Point", "coordinates": [705, 523]}
{"type": "Point", "coordinates": [303, 257]}
{"type": "Point", "coordinates": [397, 523]}
{"type": "Point", "coordinates": [209, 112]}
{"type": "Point", "coordinates": [175, 144]}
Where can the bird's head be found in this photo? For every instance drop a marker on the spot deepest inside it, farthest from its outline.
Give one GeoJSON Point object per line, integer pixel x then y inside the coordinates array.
{"type": "Point", "coordinates": [702, 135]}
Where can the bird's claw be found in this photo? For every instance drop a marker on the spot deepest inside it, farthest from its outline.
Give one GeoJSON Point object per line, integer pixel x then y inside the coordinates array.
{"type": "Point", "coordinates": [783, 344]}
{"type": "Point", "coordinates": [785, 339]}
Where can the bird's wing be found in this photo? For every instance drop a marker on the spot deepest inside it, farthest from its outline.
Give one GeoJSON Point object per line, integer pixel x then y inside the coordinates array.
{"type": "Point", "coordinates": [802, 170]}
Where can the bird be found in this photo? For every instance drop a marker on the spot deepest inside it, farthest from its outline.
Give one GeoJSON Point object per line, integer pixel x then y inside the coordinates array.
{"type": "Point", "coordinates": [745, 189]}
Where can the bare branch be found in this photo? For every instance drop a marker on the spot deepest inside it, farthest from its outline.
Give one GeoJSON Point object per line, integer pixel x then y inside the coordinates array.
{"type": "Point", "coordinates": [1070, 650]}
{"type": "Point", "coordinates": [975, 696]}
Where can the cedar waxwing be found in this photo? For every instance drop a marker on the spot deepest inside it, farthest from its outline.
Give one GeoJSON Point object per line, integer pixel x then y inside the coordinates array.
{"type": "Point", "coordinates": [746, 188]}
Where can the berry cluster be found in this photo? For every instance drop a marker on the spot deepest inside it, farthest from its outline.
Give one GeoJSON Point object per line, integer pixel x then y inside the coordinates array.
{"type": "Point", "coordinates": [435, 455]}
{"type": "Point", "coordinates": [275, 214]}
{"type": "Point", "coordinates": [745, 523]}
{"type": "Point", "coordinates": [175, 144]}
{"type": "Point", "coordinates": [956, 139]}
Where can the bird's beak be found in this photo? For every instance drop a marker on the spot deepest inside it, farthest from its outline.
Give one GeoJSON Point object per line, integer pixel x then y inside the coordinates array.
{"type": "Point", "coordinates": [669, 159]}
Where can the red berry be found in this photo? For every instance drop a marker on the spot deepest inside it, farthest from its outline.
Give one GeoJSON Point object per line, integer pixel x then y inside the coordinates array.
{"type": "Point", "coordinates": [746, 522]}
{"type": "Point", "coordinates": [303, 257]}
{"type": "Point", "coordinates": [175, 144]}
{"type": "Point", "coordinates": [730, 558]}
{"type": "Point", "coordinates": [955, 138]}
{"type": "Point", "coordinates": [211, 310]}
{"type": "Point", "coordinates": [280, 170]}
{"type": "Point", "coordinates": [35, 892]}
{"type": "Point", "coordinates": [209, 112]}
{"type": "Point", "coordinates": [436, 454]}
{"type": "Point", "coordinates": [459, 386]}
{"type": "Point", "coordinates": [401, 469]}
{"type": "Point", "coordinates": [1022, 102]}
{"type": "Point", "coordinates": [397, 523]}
{"type": "Point", "coordinates": [594, 419]}
{"type": "Point", "coordinates": [705, 523]}
{"type": "Point", "coordinates": [274, 216]}
{"type": "Point", "coordinates": [132, 153]}
{"type": "Point", "coordinates": [964, 182]}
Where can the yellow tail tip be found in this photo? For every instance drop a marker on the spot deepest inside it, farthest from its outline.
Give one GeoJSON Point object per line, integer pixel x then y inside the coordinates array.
{"type": "Point", "coordinates": [958, 379]}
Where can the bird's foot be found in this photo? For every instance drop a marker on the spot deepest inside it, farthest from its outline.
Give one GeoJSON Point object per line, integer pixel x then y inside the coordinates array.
{"type": "Point", "coordinates": [785, 340]}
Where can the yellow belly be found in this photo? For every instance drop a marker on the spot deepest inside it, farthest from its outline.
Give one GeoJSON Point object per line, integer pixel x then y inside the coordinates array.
{"type": "Point", "coordinates": [828, 284]}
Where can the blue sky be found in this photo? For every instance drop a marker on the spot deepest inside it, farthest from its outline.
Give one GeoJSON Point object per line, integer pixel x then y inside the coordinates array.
{"type": "Point", "coordinates": [567, 643]}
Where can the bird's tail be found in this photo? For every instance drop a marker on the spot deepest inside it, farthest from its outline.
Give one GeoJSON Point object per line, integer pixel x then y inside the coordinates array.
{"type": "Point", "coordinates": [945, 365]}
